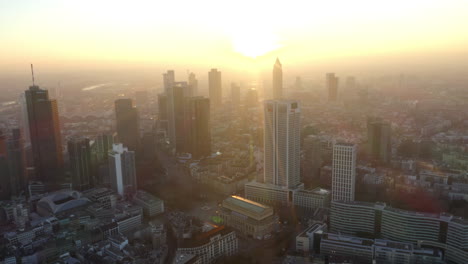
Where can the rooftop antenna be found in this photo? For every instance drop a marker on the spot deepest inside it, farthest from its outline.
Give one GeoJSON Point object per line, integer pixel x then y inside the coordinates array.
{"type": "Point", "coordinates": [32, 73]}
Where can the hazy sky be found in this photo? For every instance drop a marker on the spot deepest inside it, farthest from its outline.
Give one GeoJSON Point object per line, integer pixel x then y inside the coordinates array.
{"type": "Point", "coordinates": [209, 33]}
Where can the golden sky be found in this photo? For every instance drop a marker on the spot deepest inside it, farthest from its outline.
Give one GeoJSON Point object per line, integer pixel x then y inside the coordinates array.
{"type": "Point", "coordinates": [219, 33]}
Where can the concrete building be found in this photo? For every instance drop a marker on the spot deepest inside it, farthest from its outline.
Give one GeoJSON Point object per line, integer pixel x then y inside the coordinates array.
{"type": "Point", "coordinates": [212, 245]}
{"type": "Point", "coordinates": [268, 193]}
{"type": "Point", "coordinates": [79, 153]}
{"type": "Point", "coordinates": [198, 127]}
{"type": "Point", "coordinates": [122, 171]}
{"type": "Point", "coordinates": [282, 138]}
{"type": "Point", "coordinates": [127, 123]}
{"type": "Point", "coordinates": [312, 199]}
{"type": "Point", "coordinates": [352, 218]}
{"type": "Point", "coordinates": [379, 139]}
{"type": "Point", "coordinates": [215, 88]}
{"type": "Point", "coordinates": [308, 241]}
{"type": "Point", "coordinates": [250, 218]}
{"type": "Point", "coordinates": [359, 250]}
{"type": "Point", "coordinates": [343, 171]}
{"type": "Point", "coordinates": [151, 204]}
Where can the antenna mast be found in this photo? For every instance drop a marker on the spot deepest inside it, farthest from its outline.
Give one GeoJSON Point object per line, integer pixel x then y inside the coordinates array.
{"type": "Point", "coordinates": [32, 73]}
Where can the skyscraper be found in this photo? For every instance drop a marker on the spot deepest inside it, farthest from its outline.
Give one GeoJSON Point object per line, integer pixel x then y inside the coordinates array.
{"type": "Point", "coordinates": [79, 152]}
{"type": "Point", "coordinates": [5, 186]}
{"type": "Point", "coordinates": [176, 115]}
{"type": "Point", "coordinates": [277, 80]}
{"type": "Point", "coordinates": [343, 172]}
{"type": "Point", "coordinates": [127, 123]}
{"type": "Point", "coordinates": [199, 130]}
{"type": "Point", "coordinates": [162, 106]}
{"type": "Point", "coordinates": [45, 135]}
{"type": "Point", "coordinates": [193, 85]}
{"type": "Point", "coordinates": [215, 88]}
{"type": "Point", "coordinates": [282, 139]}
{"type": "Point", "coordinates": [168, 79]}
{"type": "Point", "coordinates": [379, 139]}
{"type": "Point", "coordinates": [235, 94]}
{"type": "Point", "coordinates": [122, 171]}
{"type": "Point", "coordinates": [332, 87]}
{"type": "Point", "coordinates": [251, 98]}
{"type": "Point", "coordinates": [17, 162]}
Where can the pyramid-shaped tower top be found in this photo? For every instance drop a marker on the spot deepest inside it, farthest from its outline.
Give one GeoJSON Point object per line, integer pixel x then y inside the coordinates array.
{"type": "Point", "coordinates": [277, 61]}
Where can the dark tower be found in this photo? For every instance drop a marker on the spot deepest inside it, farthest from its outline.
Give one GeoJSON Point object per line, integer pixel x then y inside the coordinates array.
{"type": "Point", "coordinates": [127, 124]}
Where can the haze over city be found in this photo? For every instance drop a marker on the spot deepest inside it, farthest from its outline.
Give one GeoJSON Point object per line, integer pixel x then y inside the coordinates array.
{"type": "Point", "coordinates": [193, 132]}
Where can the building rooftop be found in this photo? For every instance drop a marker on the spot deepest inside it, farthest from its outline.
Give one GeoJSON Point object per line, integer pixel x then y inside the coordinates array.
{"type": "Point", "coordinates": [247, 204]}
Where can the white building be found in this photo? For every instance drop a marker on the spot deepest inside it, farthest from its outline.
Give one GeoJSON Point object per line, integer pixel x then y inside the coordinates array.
{"type": "Point", "coordinates": [343, 172]}
{"type": "Point", "coordinates": [282, 139]}
{"type": "Point", "coordinates": [306, 241]}
{"type": "Point", "coordinates": [122, 171]}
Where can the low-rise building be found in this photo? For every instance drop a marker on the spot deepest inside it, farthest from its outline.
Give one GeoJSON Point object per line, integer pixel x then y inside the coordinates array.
{"type": "Point", "coordinates": [151, 204]}
{"type": "Point", "coordinates": [249, 217]}
{"type": "Point", "coordinates": [309, 240]}
{"type": "Point", "coordinates": [312, 199]}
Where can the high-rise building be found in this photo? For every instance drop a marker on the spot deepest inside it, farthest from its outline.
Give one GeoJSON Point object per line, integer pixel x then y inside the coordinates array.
{"type": "Point", "coordinates": [122, 171]}
{"type": "Point", "coordinates": [379, 139]}
{"type": "Point", "coordinates": [332, 87]}
{"type": "Point", "coordinates": [127, 123]}
{"type": "Point", "coordinates": [45, 135]}
{"type": "Point", "coordinates": [17, 162]}
{"type": "Point", "coordinates": [176, 115]}
{"type": "Point", "coordinates": [199, 130]}
{"type": "Point", "coordinates": [141, 99]}
{"type": "Point", "coordinates": [24, 120]}
{"type": "Point", "coordinates": [215, 88]}
{"type": "Point", "coordinates": [5, 186]}
{"type": "Point", "coordinates": [168, 80]}
{"type": "Point", "coordinates": [343, 171]}
{"type": "Point", "coordinates": [193, 85]}
{"type": "Point", "coordinates": [162, 106]}
{"type": "Point", "coordinates": [235, 94]}
{"type": "Point", "coordinates": [79, 152]}
{"type": "Point", "coordinates": [251, 98]}
{"type": "Point", "coordinates": [282, 139]}
{"type": "Point", "coordinates": [277, 80]}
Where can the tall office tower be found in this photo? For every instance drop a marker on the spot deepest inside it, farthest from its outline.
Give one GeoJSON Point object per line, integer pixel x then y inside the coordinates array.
{"type": "Point", "coordinates": [5, 186]}
{"type": "Point", "coordinates": [128, 131]}
{"type": "Point", "coordinates": [282, 140]}
{"type": "Point", "coordinates": [298, 83]}
{"type": "Point", "coordinates": [193, 85]}
{"type": "Point", "coordinates": [332, 87]}
{"type": "Point", "coordinates": [122, 171]}
{"type": "Point", "coordinates": [44, 130]}
{"type": "Point", "coordinates": [162, 106]}
{"type": "Point", "coordinates": [17, 162]}
{"type": "Point", "coordinates": [176, 115]}
{"type": "Point", "coordinates": [343, 171]}
{"type": "Point", "coordinates": [235, 94]}
{"type": "Point", "coordinates": [379, 139]}
{"type": "Point", "coordinates": [351, 83]}
{"type": "Point", "coordinates": [277, 80]}
{"type": "Point", "coordinates": [215, 88]}
{"type": "Point", "coordinates": [168, 80]}
{"type": "Point", "coordinates": [198, 120]}
{"type": "Point", "coordinates": [79, 152]}
{"type": "Point", "coordinates": [251, 98]}
{"type": "Point", "coordinates": [141, 99]}
{"type": "Point", "coordinates": [24, 120]}
{"type": "Point", "coordinates": [103, 144]}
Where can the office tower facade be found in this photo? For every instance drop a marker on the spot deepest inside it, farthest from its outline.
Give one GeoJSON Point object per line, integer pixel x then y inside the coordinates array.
{"type": "Point", "coordinates": [122, 171]}
{"type": "Point", "coordinates": [5, 186]}
{"type": "Point", "coordinates": [282, 138]}
{"type": "Point", "coordinates": [193, 85]}
{"type": "Point", "coordinates": [343, 171]}
{"type": "Point", "coordinates": [215, 88]}
{"type": "Point", "coordinates": [332, 87]}
{"type": "Point", "coordinates": [199, 130]}
{"type": "Point", "coordinates": [44, 130]}
{"type": "Point", "coordinates": [127, 123]}
{"type": "Point", "coordinates": [379, 139]}
{"type": "Point", "coordinates": [235, 94]}
{"type": "Point", "coordinates": [79, 152]}
{"type": "Point", "coordinates": [24, 120]}
{"type": "Point", "coordinates": [176, 115]}
{"type": "Point", "coordinates": [168, 80]}
{"type": "Point", "coordinates": [277, 80]}
{"type": "Point", "coordinates": [162, 107]}
{"type": "Point", "coordinates": [103, 144]}
{"type": "Point", "coordinates": [251, 98]}
{"type": "Point", "coordinates": [17, 162]}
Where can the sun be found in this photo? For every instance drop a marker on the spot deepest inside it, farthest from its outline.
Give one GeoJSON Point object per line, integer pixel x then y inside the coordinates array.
{"type": "Point", "coordinates": [254, 43]}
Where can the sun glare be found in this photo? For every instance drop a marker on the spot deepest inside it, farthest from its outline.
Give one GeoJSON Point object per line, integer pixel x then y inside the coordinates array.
{"type": "Point", "coordinates": [254, 43]}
